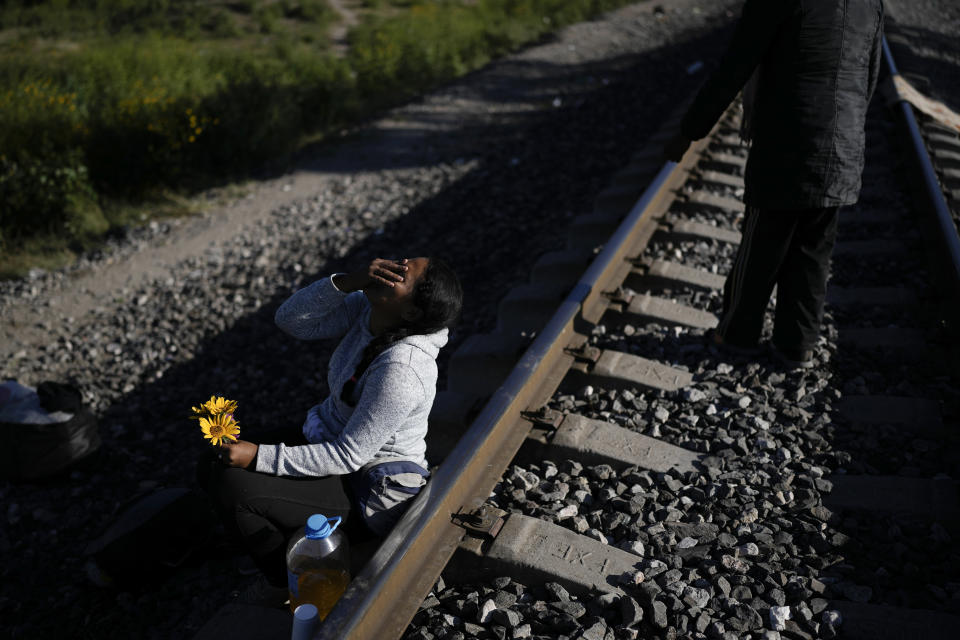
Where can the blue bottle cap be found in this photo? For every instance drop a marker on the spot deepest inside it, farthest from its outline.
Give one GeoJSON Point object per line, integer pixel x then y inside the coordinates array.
{"type": "Point", "coordinates": [319, 526]}
{"type": "Point", "coordinates": [306, 618]}
{"type": "Point", "coordinates": [306, 613]}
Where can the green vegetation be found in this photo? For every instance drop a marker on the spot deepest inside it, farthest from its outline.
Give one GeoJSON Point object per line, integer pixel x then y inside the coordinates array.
{"type": "Point", "coordinates": [104, 103]}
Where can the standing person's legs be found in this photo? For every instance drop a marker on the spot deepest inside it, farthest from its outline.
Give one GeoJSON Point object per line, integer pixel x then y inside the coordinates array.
{"type": "Point", "coordinates": [746, 292]}
{"type": "Point", "coordinates": [802, 285]}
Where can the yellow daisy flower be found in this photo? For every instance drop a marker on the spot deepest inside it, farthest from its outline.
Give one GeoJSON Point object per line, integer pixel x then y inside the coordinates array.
{"type": "Point", "coordinates": [219, 428]}
{"type": "Point", "coordinates": [217, 405]}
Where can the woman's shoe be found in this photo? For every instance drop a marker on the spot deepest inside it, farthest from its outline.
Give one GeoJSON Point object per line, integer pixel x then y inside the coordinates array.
{"type": "Point", "coordinates": [263, 594]}
{"type": "Point", "coordinates": [245, 566]}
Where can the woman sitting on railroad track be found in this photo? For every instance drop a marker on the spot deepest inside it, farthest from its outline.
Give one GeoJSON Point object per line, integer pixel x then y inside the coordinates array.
{"type": "Point", "coordinates": [361, 453]}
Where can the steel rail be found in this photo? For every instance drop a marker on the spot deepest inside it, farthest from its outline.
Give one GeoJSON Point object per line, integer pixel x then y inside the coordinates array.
{"type": "Point", "coordinates": [948, 236]}
{"type": "Point", "coordinates": [382, 599]}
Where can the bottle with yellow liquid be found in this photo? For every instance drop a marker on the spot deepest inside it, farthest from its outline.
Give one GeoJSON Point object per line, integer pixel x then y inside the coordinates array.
{"type": "Point", "coordinates": [318, 564]}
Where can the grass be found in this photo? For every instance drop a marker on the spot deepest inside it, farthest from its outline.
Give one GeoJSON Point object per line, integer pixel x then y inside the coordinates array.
{"type": "Point", "coordinates": [111, 108]}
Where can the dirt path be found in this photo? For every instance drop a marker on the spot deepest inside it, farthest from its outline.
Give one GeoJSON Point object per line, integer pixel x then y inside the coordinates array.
{"type": "Point", "coordinates": [348, 20]}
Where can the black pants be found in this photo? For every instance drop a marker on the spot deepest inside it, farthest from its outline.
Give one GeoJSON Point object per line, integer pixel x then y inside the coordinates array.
{"type": "Point", "coordinates": [790, 249]}
{"type": "Point", "coordinates": [262, 511]}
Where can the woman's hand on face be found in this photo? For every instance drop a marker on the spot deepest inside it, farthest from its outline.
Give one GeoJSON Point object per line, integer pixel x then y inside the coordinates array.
{"type": "Point", "coordinates": [238, 454]}
{"type": "Point", "coordinates": [379, 271]}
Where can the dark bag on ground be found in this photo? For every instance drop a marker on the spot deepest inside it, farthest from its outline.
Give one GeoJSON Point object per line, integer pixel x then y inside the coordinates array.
{"type": "Point", "coordinates": [152, 536]}
{"type": "Point", "coordinates": [44, 430]}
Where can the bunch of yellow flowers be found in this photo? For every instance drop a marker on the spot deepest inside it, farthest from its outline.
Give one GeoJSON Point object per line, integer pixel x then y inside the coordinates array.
{"type": "Point", "coordinates": [216, 419]}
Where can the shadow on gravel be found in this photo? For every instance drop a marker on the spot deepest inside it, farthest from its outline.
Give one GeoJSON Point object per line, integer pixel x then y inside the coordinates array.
{"type": "Point", "coordinates": [424, 123]}
{"type": "Point", "coordinates": [534, 171]}
{"type": "Point", "coordinates": [890, 548]}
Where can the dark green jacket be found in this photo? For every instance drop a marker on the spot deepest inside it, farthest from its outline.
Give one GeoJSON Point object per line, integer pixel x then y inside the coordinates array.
{"type": "Point", "coordinates": [819, 65]}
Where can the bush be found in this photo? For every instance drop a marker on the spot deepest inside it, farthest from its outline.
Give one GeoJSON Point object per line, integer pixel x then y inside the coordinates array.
{"type": "Point", "coordinates": [122, 116]}
{"type": "Point", "coordinates": [438, 40]}
{"type": "Point", "coordinates": [48, 192]}
{"type": "Point", "coordinates": [146, 114]}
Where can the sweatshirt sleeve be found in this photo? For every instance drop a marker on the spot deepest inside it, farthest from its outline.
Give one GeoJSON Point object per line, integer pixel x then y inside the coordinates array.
{"type": "Point", "coordinates": [390, 394]}
{"type": "Point", "coordinates": [319, 311]}
{"type": "Point", "coordinates": [753, 35]}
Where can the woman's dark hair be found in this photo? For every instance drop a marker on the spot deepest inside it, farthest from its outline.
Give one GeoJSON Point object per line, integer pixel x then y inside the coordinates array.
{"type": "Point", "coordinates": [438, 295]}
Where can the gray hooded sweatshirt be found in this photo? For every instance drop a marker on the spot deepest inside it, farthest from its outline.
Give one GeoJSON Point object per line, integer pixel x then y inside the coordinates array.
{"type": "Point", "coordinates": [393, 396]}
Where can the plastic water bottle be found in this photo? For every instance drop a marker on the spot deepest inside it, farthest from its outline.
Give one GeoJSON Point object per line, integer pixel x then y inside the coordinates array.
{"type": "Point", "coordinates": [318, 565]}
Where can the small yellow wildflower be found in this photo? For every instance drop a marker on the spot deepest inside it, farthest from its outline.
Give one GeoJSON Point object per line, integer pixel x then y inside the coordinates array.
{"type": "Point", "coordinates": [191, 139]}
{"type": "Point", "coordinates": [219, 428]}
{"type": "Point", "coordinates": [215, 406]}
{"type": "Point", "coordinates": [198, 130]}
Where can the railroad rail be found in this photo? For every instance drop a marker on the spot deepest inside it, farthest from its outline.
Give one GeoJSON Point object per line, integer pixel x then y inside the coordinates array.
{"type": "Point", "coordinates": [507, 400]}
{"type": "Point", "coordinates": [942, 228]}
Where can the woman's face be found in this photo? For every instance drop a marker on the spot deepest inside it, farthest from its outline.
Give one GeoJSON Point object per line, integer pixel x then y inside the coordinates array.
{"type": "Point", "coordinates": [398, 298]}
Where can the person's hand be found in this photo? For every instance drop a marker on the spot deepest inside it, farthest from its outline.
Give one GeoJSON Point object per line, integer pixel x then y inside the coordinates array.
{"type": "Point", "coordinates": [237, 454]}
{"type": "Point", "coordinates": [379, 271]}
{"type": "Point", "coordinates": [676, 147]}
